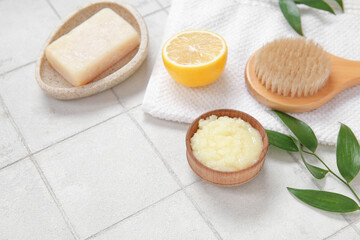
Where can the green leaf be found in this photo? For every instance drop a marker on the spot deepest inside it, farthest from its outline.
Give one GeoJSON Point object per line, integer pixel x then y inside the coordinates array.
{"type": "Point", "coordinates": [292, 14]}
{"type": "Point", "coordinates": [327, 201]}
{"type": "Point", "coordinates": [317, 172]}
{"type": "Point", "coordinates": [319, 4]}
{"type": "Point", "coordinates": [340, 2]}
{"type": "Point", "coordinates": [281, 141]}
{"type": "Point", "coordinates": [347, 153]}
{"type": "Point", "coordinates": [300, 129]}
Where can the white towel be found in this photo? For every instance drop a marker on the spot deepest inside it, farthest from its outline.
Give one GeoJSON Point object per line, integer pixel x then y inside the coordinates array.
{"type": "Point", "coordinates": [246, 25]}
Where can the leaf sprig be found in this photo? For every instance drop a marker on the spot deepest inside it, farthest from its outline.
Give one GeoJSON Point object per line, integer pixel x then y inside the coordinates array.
{"type": "Point", "coordinates": [291, 11]}
{"type": "Point", "coordinates": [304, 141]}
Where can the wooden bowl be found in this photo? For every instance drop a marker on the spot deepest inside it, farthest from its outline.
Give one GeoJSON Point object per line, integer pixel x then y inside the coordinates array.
{"type": "Point", "coordinates": [226, 178]}
{"type": "Point", "coordinates": [56, 86]}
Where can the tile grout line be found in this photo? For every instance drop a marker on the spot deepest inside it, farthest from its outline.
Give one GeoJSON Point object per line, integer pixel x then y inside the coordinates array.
{"type": "Point", "coordinates": [132, 215]}
{"type": "Point", "coordinates": [17, 68]}
{"type": "Point", "coordinates": [335, 232]}
{"type": "Point", "coordinates": [139, 211]}
{"type": "Point", "coordinates": [328, 237]}
{"type": "Point", "coordinates": [356, 229]}
{"type": "Point", "coordinates": [118, 98]}
{"type": "Point", "coordinates": [15, 162]}
{"type": "Point", "coordinates": [167, 9]}
{"type": "Point", "coordinates": [12, 122]}
{"type": "Point", "coordinates": [77, 133]}
{"type": "Point", "coordinates": [172, 173]}
{"type": "Point", "coordinates": [176, 178]}
{"type": "Point", "coordinates": [202, 214]}
{"type": "Point", "coordinates": [6, 110]}
{"type": "Point", "coordinates": [352, 226]}
{"type": "Point", "coordinates": [163, 7]}
{"type": "Point", "coordinates": [53, 195]}
{"type": "Point", "coordinates": [159, 3]}
{"type": "Point", "coordinates": [53, 8]}
{"type": "Point", "coordinates": [68, 137]}
{"type": "Point", "coordinates": [150, 142]}
{"type": "Point", "coordinates": [42, 176]}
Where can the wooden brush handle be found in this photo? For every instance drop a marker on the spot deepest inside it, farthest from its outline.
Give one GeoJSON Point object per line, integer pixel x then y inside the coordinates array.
{"type": "Point", "coordinates": [344, 74]}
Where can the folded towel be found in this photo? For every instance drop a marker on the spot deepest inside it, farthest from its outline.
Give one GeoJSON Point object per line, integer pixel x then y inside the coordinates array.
{"type": "Point", "coordinates": [246, 25]}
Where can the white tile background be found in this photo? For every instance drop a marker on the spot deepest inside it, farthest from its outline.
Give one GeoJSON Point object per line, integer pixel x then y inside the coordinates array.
{"type": "Point", "coordinates": [99, 168]}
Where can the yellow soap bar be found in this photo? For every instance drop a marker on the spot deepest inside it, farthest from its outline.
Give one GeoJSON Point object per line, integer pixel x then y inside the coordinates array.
{"type": "Point", "coordinates": [92, 47]}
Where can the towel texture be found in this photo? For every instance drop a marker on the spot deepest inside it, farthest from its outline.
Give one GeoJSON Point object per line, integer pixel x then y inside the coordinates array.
{"type": "Point", "coordinates": [246, 25]}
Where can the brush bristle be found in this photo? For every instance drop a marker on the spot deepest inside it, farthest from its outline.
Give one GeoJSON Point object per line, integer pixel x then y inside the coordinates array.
{"type": "Point", "coordinates": [292, 66]}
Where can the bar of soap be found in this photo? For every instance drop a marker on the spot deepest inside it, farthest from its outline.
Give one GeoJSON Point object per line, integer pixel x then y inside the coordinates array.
{"type": "Point", "coordinates": [92, 47]}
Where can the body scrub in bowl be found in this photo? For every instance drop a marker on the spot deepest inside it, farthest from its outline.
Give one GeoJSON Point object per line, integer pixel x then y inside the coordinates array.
{"type": "Point", "coordinates": [226, 144]}
{"type": "Point", "coordinates": [226, 147]}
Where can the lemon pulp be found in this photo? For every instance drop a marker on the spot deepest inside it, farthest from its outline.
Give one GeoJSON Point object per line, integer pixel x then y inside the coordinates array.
{"type": "Point", "coordinates": [195, 57]}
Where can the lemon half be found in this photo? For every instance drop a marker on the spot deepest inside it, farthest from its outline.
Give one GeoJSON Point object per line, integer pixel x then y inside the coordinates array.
{"type": "Point", "coordinates": [195, 58]}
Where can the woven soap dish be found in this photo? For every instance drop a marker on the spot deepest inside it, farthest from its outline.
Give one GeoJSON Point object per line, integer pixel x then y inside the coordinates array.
{"type": "Point", "coordinates": [56, 86]}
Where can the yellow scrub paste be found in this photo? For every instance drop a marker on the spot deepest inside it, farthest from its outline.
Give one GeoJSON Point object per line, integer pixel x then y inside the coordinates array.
{"type": "Point", "coordinates": [226, 144]}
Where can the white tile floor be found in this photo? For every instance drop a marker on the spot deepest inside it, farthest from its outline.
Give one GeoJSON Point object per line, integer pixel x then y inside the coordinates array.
{"type": "Point", "coordinates": [100, 168]}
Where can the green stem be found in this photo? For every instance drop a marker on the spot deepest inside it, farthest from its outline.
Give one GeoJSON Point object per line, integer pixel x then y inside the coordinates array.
{"type": "Point", "coordinates": [347, 184]}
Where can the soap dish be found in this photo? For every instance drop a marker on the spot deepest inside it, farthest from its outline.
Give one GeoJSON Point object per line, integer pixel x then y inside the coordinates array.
{"type": "Point", "coordinates": [56, 86]}
{"type": "Point", "coordinates": [226, 179]}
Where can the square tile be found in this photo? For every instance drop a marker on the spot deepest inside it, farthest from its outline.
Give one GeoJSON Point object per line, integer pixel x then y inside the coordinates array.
{"type": "Point", "coordinates": [25, 26]}
{"type": "Point", "coordinates": [347, 233]}
{"type": "Point", "coordinates": [265, 202]}
{"type": "Point", "coordinates": [172, 218]}
{"type": "Point", "coordinates": [11, 147]}
{"type": "Point", "coordinates": [169, 138]}
{"type": "Point", "coordinates": [131, 92]}
{"type": "Point", "coordinates": [44, 120]}
{"type": "Point", "coordinates": [105, 174]}
{"type": "Point", "coordinates": [65, 7]}
{"type": "Point", "coordinates": [27, 211]}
